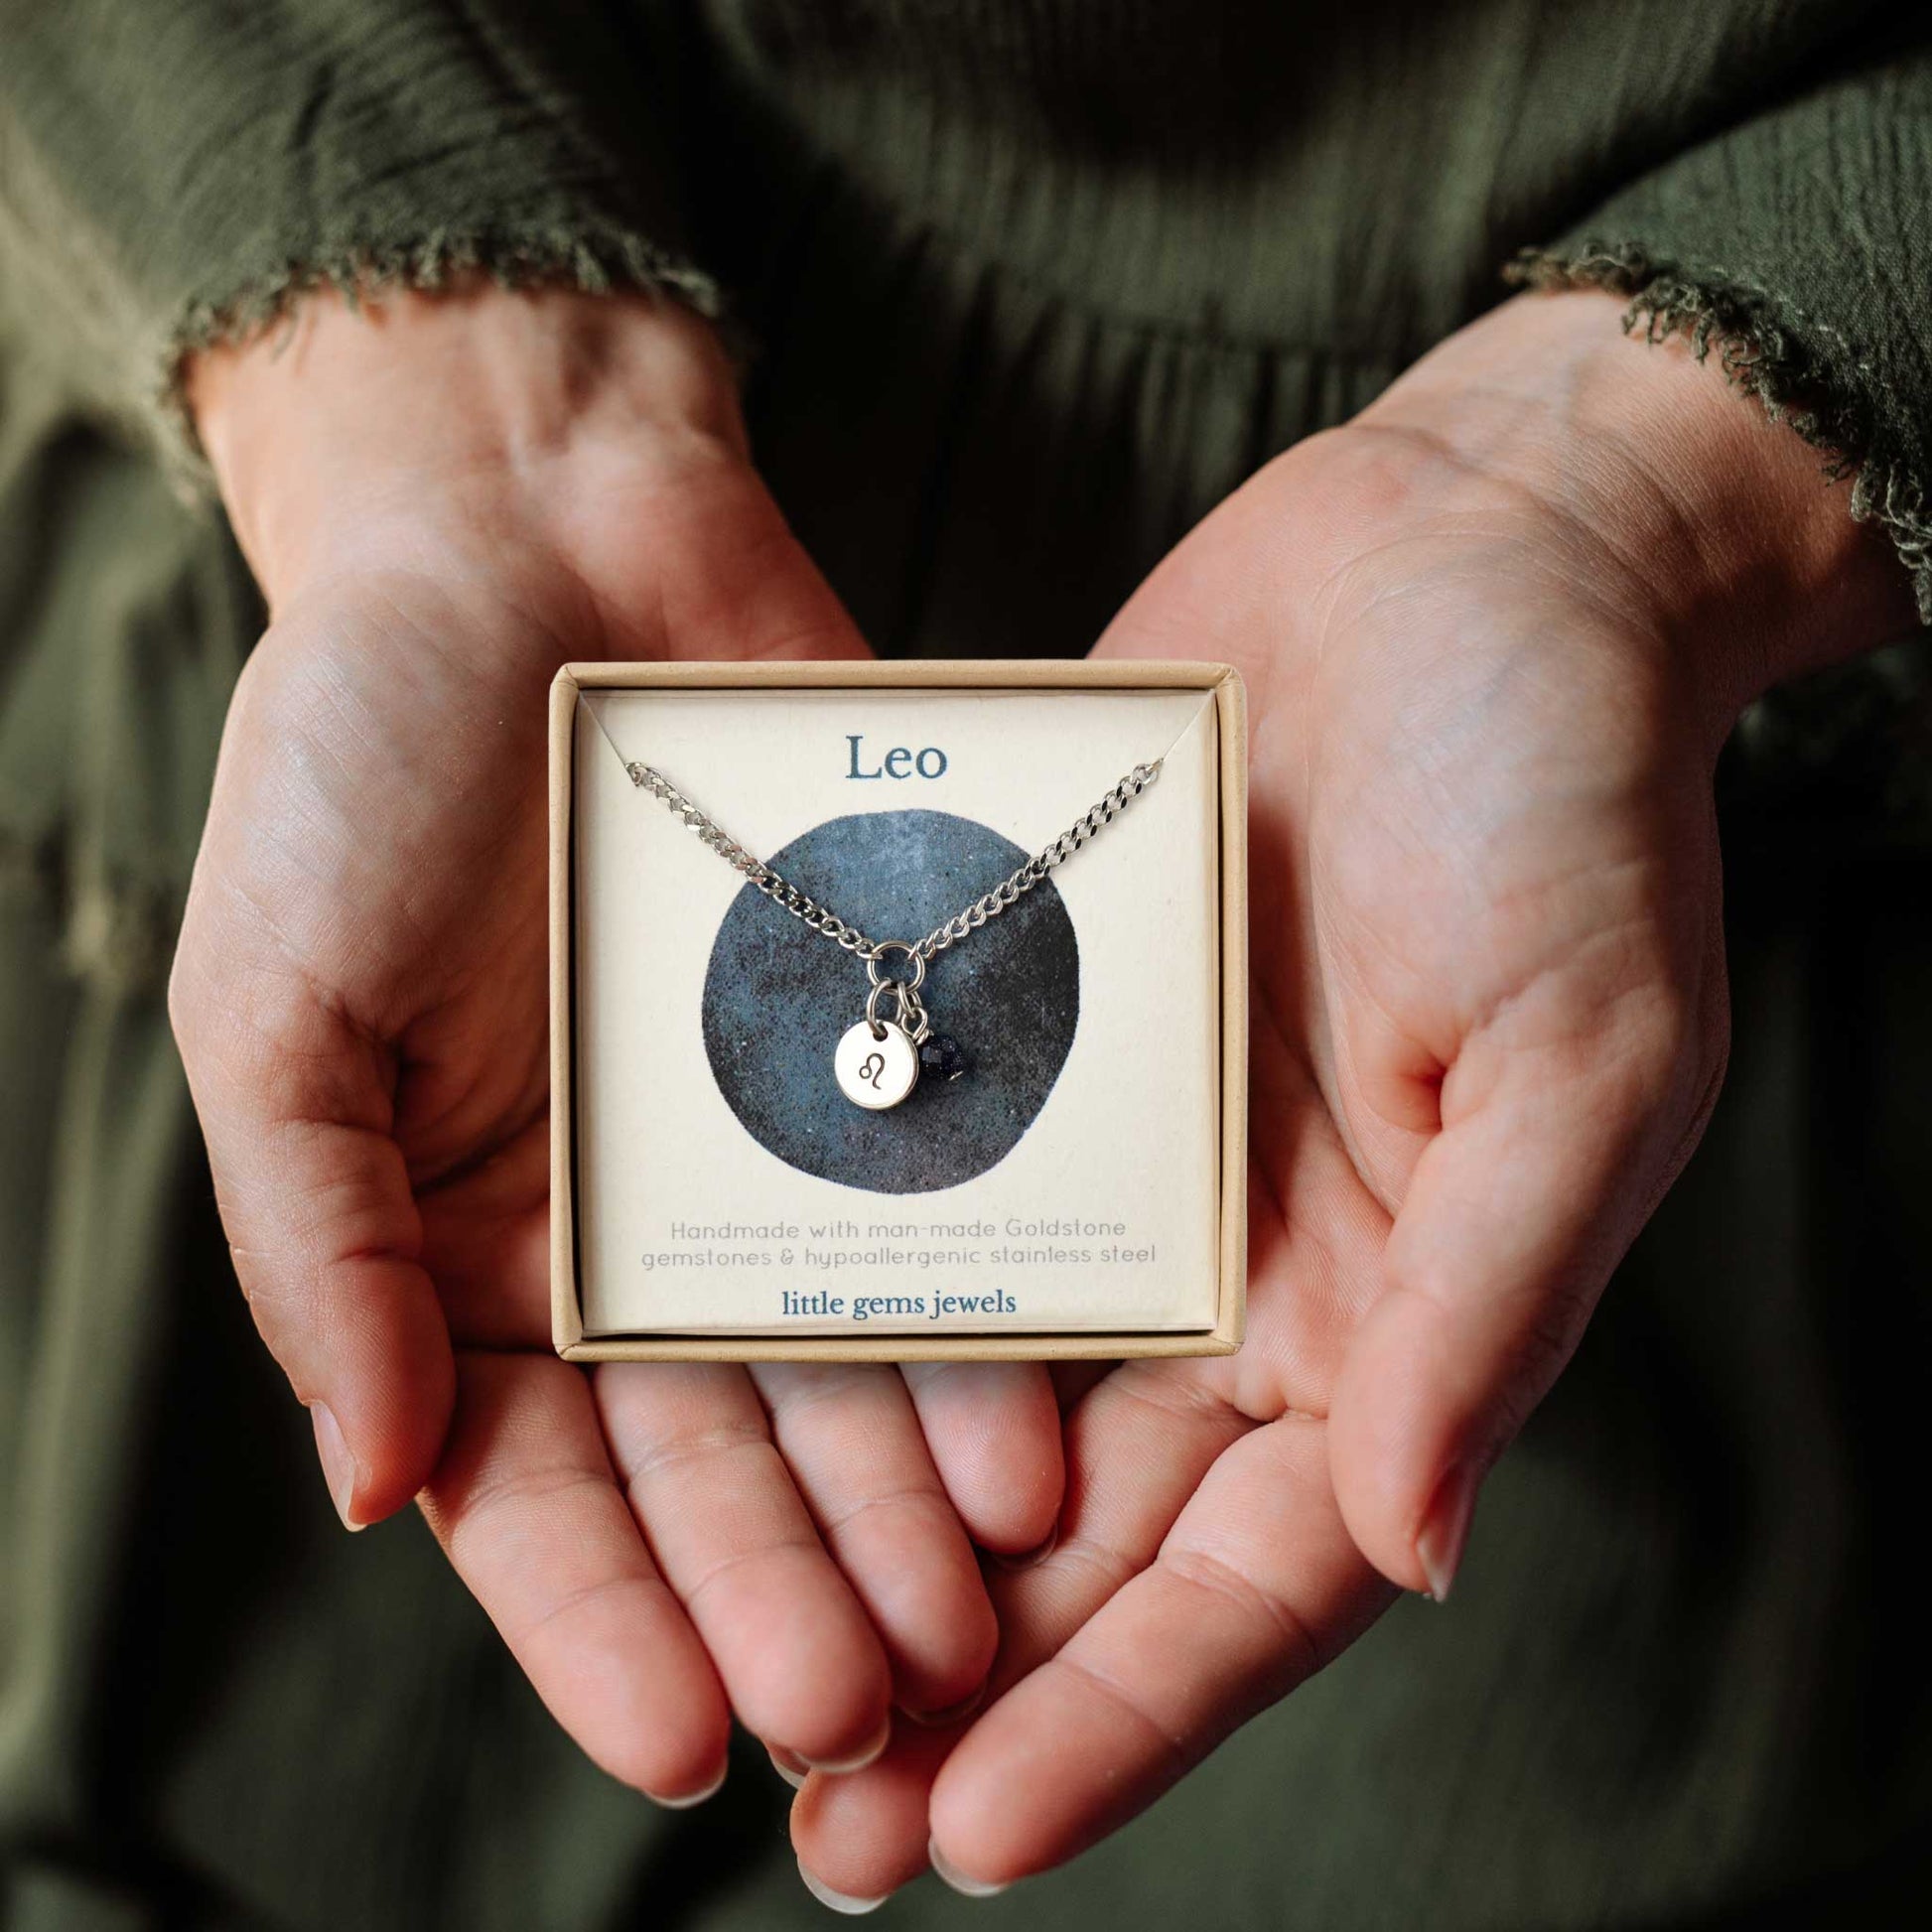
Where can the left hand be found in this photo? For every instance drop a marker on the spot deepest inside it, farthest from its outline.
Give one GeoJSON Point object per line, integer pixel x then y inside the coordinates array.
{"type": "Point", "coordinates": [443, 497]}
{"type": "Point", "coordinates": [1495, 632]}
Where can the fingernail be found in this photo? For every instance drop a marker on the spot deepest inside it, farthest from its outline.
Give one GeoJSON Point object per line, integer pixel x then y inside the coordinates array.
{"type": "Point", "coordinates": [951, 1715]}
{"type": "Point", "coordinates": [1027, 1558]}
{"type": "Point", "coordinates": [794, 1770]}
{"type": "Point", "coordinates": [839, 1901]}
{"type": "Point", "coordinates": [337, 1466]}
{"type": "Point", "coordinates": [1446, 1529]}
{"type": "Point", "coordinates": [840, 1767]}
{"type": "Point", "coordinates": [950, 1874]}
{"type": "Point", "coordinates": [710, 1790]}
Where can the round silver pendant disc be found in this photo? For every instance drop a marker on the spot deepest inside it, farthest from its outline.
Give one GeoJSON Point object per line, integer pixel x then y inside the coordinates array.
{"type": "Point", "coordinates": [875, 1069]}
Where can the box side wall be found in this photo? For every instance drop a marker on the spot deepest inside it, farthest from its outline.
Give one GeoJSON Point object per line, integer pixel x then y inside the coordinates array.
{"type": "Point", "coordinates": [566, 1320]}
{"type": "Point", "coordinates": [1231, 703]}
{"type": "Point", "coordinates": [885, 1348]}
{"type": "Point", "coordinates": [938, 675]}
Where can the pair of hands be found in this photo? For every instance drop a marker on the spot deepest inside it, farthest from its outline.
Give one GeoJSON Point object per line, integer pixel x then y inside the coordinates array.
{"type": "Point", "coordinates": [1494, 631]}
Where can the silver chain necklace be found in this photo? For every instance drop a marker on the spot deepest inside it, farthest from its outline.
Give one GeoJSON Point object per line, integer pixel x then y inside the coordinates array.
{"type": "Point", "coordinates": [878, 1061]}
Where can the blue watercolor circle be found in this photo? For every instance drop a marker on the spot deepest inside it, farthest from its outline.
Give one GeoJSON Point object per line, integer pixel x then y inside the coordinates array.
{"type": "Point", "coordinates": [778, 996]}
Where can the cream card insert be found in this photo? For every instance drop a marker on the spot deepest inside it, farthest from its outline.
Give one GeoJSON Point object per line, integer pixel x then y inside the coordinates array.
{"type": "Point", "coordinates": [1065, 1182]}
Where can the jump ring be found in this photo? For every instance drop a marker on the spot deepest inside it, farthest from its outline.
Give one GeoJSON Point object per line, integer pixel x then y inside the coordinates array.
{"type": "Point", "coordinates": [912, 1015]}
{"type": "Point", "coordinates": [896, 945]}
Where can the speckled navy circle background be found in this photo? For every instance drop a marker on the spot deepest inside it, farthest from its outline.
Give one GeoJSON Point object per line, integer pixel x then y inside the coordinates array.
{"type": "Point", "coordinates": [777, 998]}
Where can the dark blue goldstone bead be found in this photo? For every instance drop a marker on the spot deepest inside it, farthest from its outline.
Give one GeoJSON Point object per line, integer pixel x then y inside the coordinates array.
{"type": "Point", "coordinates": [940, 1058]}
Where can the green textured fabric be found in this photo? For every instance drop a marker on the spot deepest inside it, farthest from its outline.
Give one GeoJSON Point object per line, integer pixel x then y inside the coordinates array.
{"type": "Point", "coordinates": [171, 177]}
{"type": "Point", "coordinates": [1030, 285]}
{"type": "Point", "coordinates": [1798, 244]}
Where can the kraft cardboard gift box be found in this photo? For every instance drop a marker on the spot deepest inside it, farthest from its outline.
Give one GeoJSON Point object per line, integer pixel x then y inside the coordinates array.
{"type": "Point", "coordinates": [710, 1202]}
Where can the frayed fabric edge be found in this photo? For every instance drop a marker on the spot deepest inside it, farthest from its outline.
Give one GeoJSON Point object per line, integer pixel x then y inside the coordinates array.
{"type": "Point", "coordinates": [1765, 358]}
{"type": "Point", "coordinates": [592, 258]}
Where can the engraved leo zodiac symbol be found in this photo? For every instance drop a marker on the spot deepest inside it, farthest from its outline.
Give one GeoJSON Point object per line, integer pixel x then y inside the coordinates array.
{"type": "Point", "coordinates": [870, 1067]}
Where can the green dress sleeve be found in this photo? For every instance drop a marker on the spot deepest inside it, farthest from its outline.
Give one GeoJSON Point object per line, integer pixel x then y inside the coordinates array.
{"type": "Point", "coordinates": [171, 176]}
{"type": "Point", "coordinates": [1798, 245]}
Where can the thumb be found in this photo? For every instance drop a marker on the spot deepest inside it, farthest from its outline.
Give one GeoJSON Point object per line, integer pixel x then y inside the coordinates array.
{"type": "Point", "coordinates": [1551, 1156]}
{"type": "Point", "coordinates": [322, 1223]}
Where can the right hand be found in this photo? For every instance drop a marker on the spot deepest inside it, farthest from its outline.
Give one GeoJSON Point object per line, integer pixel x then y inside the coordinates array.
{"type": "Point", "coordinates": [1495, 632]}
{"type": "Point", "coordinates": [444, 498]}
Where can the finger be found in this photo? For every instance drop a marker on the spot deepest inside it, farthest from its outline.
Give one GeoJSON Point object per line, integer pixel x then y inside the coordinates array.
{"type": "Point", "coordinates": [864, 1836]}
{"type": "Point", "coordinates": [1138, 1446]}
{"type": "Point", "coordinates": [527, 1507]}
{"type": "Point", "coordinates": [1256, 1587]}
{"type": "Point", "coordinates": [799, 1656]}
{"type": "Point", "coordinates": [486, 1245]}
{"type": "Point", "coordinates": [295, 1101]}
{"type": "Point", "coordinates": [1552, 1153]}
{"type": "Point", "coordinates": [851, 1439]}
{"type": "Point", "coordinates": [994, 1430]}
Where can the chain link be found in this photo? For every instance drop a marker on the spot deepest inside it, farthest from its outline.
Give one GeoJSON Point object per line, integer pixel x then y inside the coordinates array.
{"type": "Point", "coordinates": [988, 905]}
